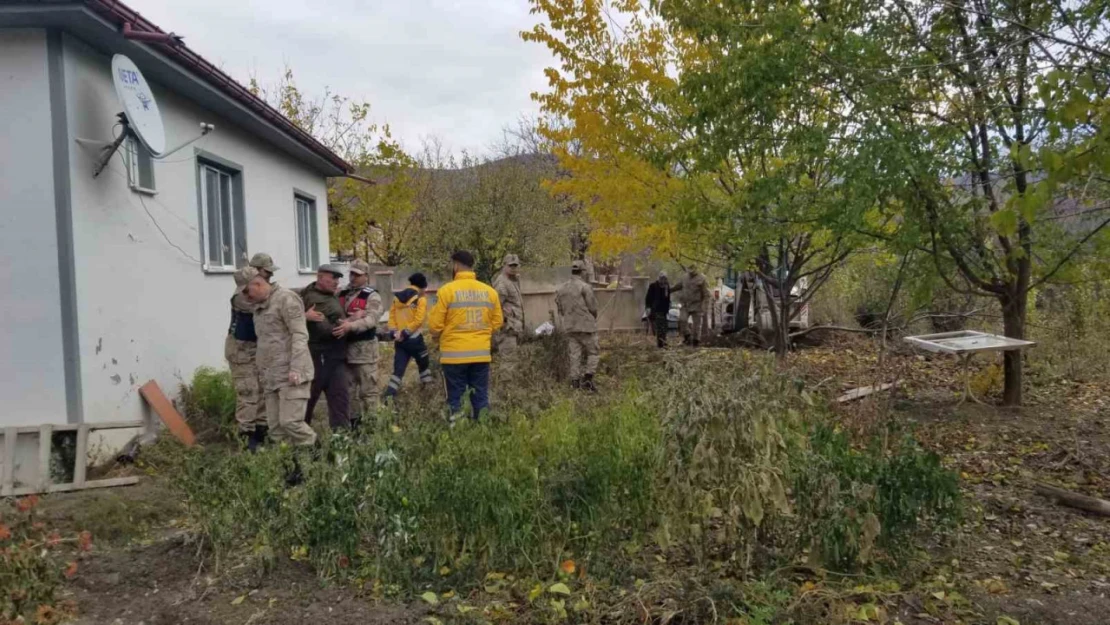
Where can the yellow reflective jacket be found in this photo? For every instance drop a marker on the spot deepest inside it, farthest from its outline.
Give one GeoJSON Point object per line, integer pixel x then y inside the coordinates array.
{"type": "Point", "coordinates": [464, 317]}
{"type": "Point", "coordinates": [408, 311]}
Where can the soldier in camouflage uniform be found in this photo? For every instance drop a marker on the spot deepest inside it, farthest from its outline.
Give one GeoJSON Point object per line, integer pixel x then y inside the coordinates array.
{"type": "Point", "coordinates": [695, 299]}
{"type": "Point", "coordinates": [363, 306]}
{"type": "Point", "coordinates": [283, 360]}
{"type": "Point", "coordinates": [507, 285]}
{"type": "Point", "coordinates": [578, 312]}
{"type": "Point", "coordinates": [239, 350]}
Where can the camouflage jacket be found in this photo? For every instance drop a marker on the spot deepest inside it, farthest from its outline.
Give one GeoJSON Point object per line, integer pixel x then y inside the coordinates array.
{"type": "Point", "coordinates": [282, 339]}
{"type": "Point", "coordinates": [577, 306]}
{"type": "Point", "coordinates": [512, 303]}
{"type": "Point", "coordinates": [235, 351]}
{"type": "Point", "coordinates": [694, 293]}
{"type": "Point", "coordinates": [362, 341]}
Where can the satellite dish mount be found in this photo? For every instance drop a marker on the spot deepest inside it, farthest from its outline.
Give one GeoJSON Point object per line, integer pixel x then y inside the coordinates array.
{"type": "Point", "coordinates": [109, 150]}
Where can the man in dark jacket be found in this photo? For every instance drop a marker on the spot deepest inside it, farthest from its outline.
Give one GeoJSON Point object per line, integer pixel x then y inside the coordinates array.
{"type": "Point", "coordinates": [324, 314]}
{"type": "Point", "coordinates": [658, 304]}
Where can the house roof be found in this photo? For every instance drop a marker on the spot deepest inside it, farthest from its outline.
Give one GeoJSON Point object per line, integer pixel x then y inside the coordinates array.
{"type": "Point", "coordinates": [103, 23]}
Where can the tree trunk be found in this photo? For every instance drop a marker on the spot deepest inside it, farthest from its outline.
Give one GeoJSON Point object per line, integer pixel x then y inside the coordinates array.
{"type": "Point", "coordinates": [1013, 322]}
{"type": "Point", "coordinates": [741, 305]}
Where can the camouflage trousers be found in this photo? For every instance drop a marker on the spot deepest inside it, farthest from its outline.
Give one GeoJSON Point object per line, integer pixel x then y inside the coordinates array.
{"type": "Point", "coordinates": [285, 409]}
{"type": "Point", "coordinates": [579, 343]}
{"type": "Point", "coordinates": [694, 327]}
{"type": "Point", "coordinates": [250, 407]}
{"type": "Point", "coordinates": [504, 343]}
{"type": "Point", "coordinates": [365, 387]}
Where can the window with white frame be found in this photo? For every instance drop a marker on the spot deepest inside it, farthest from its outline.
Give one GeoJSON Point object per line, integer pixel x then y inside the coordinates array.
{"type": "Point", "coordinates": [140, 166]}
{"type": "Point", "coordinates": [308, 247]}
{"type": "Point", "coordinates": [223, 232]}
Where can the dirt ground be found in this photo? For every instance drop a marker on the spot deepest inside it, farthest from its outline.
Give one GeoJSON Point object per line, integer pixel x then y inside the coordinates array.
{"type": "Point", "coordinates": [1017, 555]}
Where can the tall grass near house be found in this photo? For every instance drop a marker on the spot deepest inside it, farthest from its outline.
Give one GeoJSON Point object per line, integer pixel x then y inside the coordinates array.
{"type": "Point", "coordinates": [724, 466]}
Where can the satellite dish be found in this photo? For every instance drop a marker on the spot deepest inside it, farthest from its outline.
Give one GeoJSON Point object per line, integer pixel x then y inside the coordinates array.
{"type": "Point", "coordinates": [138, 103]}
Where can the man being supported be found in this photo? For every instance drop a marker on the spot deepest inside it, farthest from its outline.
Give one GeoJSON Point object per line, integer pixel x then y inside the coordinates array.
{"type": "Point", "coordinates": [507, 284]}
{"type": "Point", "coordinates": [329, 352]}
{"type": "Point", "coordinates": [240, 349]}
{"type": "Point", "coordinates": [363, 307]}
{"type": "Point", "coordinates": [406, 321]}
{"type": "Point", "coordinates": [658, 303]}
{"type": "Point", "coordinates": [578, 311]}
{"type": "Point", "coordinates": [466, 314]}
{"type": "Point", "coordinates": [283, 361]}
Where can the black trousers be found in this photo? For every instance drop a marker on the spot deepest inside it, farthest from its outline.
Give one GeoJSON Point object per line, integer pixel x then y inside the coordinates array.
{"type": "Point", "coordinates": [330, 378]}
{"type": "Point", "coordinates": [659, 322]}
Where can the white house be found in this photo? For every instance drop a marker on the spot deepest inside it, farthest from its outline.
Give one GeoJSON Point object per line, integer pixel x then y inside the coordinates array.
{"type": "Point", "coordinates": [111, 281]}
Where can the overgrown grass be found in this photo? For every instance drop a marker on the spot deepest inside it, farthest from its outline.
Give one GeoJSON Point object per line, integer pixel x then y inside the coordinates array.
{"type": "Point", "coordinates": [724, 466]}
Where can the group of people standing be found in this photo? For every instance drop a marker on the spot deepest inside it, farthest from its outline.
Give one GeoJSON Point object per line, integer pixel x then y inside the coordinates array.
{"type": "Point", "coordinates": [287, 347]}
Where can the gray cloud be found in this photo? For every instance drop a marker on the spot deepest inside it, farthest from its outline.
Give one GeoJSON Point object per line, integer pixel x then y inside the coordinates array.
{"type": "Point", "coordinates": [457, 70]}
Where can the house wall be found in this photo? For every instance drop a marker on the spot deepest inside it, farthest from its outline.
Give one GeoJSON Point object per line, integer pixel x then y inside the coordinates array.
{"type": "Point", "coordinates": [32, 378]}
{"type": "Point", "coordinates": [146, 308]}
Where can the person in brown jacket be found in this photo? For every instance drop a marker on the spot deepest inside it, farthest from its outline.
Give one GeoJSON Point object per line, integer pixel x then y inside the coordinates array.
{"type": "Point", "coordinates": [578, 311]}
{"type": "Point", "coordinates": [283, 361]}
{"type": "Point", "coordinates": [507, 285]}
{"type": "Point", "coordinates": [240, 348]}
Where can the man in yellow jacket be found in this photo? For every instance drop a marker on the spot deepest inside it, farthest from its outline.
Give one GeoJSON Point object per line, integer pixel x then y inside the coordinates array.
{"type": "Point", "coordinates": [406, 322]}
{"type": "Point", "coordinates": [465, 316]}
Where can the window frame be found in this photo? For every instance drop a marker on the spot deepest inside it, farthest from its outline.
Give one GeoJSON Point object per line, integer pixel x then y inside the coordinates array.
{"type": "Point", "coordinates": [134, 152]}
{"type": "Point", "coordinates": [313, 235]}
{"type": "Point", "coordinates": [236, 220]}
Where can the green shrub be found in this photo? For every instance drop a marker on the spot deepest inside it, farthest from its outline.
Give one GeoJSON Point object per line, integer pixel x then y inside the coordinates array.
{"type": "Point", "coordinates": [34, 561]}
{"type": "Point", "coordinates": [209, 402]}
{"type": "Point", "coordinates": [852, 501]}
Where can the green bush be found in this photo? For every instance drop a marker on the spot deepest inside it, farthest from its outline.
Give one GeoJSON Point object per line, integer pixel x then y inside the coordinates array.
{"type": "Point", "coordinates": [209, 402]}
{"type": "Point", "coordinates": [853, 501]}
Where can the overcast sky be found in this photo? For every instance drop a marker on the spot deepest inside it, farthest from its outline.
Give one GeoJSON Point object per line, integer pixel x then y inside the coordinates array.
{"type": "Point", "coordinates": [455, 69]}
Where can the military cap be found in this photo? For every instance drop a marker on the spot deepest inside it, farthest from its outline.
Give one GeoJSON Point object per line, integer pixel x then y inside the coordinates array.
{"type": "Point", "coordinates": [510, 260]}
{"type": "Point", "coordinates": [245, 275]}
{"type": "Point", "coordinates": [263, 261]}
{"type": "Point", "coordinates": [360, 267]}
{"type": "Point", "coordinates": [577, 266]}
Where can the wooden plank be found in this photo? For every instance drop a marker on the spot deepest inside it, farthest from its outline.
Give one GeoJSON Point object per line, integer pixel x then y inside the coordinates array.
{"type": "Point", "coordinates": [45, 432]}
{"type": "Point", "coordinates": [864, 391]}
{"type": "Point", "coordinates": [154, 396]}
{"type": "Point", "coordinates": [81, 457]}
{"type": "Point", "coordinates": [73, 427]}
{"type": "Point", "coordinates": [65, 488]}
{"type": "Point", "coordinates": [7, 472]}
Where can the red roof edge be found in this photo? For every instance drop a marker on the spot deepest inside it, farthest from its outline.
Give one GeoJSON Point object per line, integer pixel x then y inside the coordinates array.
{"type": "Point", "coordinates": [120, 14]}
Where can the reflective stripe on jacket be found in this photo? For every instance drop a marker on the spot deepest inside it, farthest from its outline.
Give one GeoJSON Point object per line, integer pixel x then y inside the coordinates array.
{"type": "Point", "coordinates": [465, 316]}
{"type": "Point", "coordinates": [408, 311]}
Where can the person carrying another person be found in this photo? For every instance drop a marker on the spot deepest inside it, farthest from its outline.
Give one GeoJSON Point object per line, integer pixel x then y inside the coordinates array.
{"type": "Point", "coordinates": [406, 322]}
{"type": "Point", "coordinates": [240, 350]}
{"type": "Point", "coordinates": [466, 314]}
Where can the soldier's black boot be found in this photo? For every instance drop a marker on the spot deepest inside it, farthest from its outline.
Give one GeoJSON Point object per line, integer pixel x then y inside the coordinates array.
{"type": "Point", "coordinates": [294, 476]}
{"type": "Point", "coordinates": [576, 383]}
{"type": "Point", "coordinates": [248, 440]}
{"type": "Point", "coordinates": [256, 438]}
{"type": "Point", "coordinates": [588, 383]}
